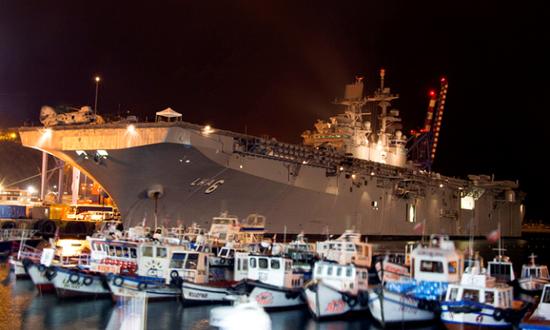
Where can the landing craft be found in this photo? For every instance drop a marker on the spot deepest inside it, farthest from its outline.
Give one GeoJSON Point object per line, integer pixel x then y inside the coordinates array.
{"type": "Point", "coordinates": [84, 115]}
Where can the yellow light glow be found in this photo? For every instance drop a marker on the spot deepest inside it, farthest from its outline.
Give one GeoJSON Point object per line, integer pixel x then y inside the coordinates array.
{"type": "Point", "coordinates": [467, 203]}
{"type": "Point", "coordinates": [97, 79]}
{"type": "Point", "coordinates": [31, 190]}
{"type": "Point", "coordinates": [13, 135]}
{"type": "Point", "coordinates": [131, 129]}
{"type": "Point", "coordinates": [70, 247]}
{"type": "Point", "coordinates": [207, 130]}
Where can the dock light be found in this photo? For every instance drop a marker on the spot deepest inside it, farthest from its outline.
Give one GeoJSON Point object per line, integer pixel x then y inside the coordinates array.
{"type": "Point", "coordinates": [353, 176]}
{"type": "Point", "coordinates": [131, 129]}
{"type": "Point", "coordinates": [207, 130]}
{"type": "Point", "coordinates": [31, 190]}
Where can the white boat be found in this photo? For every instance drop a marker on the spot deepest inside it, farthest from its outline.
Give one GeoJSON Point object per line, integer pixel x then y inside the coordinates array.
{"type": "Point", "coordinates": [395, 266]}
{"type": "Point", "coordinates": [533, 277]}
{"type": "Point", "coordinates": [199, 286]}
{"type": "Point", "coordinates": [433, 267]}
{"type": "Point", "coordinates": [302, 253]}
{"type": "Point", "coordinates": [336, 289]}
{"type": "Point", "coordinates": [345, 249]}
{"type": "Point", "coordinates": [478, 301]}
{"type": "Point", "coordinates": [68, 253]}
{"type": "Point", "coordinates": [159, 273]}
{"type": "Point", "coordinates": [539, 319]}
{"type": "Point", "coordinates": [272, 283]}
{"type": "Point", "coordinates": [16, 261]}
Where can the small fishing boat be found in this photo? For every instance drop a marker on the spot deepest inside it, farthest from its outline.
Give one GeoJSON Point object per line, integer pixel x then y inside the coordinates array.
{"type": "Point", "coordinates": [533, 277]}
{"type": "Point", "coordinates": [337, 289]}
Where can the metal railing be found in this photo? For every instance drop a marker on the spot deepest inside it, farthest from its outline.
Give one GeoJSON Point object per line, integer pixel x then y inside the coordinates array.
{"type": "Point", "coordinates": [17, 234]}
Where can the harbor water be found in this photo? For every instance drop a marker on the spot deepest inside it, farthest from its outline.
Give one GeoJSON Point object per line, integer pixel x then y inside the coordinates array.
{"type": "Point", "coordinates": [22, 307]}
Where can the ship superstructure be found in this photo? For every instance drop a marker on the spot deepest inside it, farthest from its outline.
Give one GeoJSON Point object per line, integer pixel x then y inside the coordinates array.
{"type": "Point", "coordinates": [354, 131]}
{"type": "Point", "coordinates": [352, 171]}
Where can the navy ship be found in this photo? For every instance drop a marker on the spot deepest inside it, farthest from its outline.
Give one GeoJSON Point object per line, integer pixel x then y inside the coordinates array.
{"type": "Point", "coordinates": [356, 170]}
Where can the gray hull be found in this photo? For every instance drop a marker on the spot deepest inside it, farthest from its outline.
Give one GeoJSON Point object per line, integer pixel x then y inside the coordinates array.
{"type": "Point", "coordinates": [203, 175]}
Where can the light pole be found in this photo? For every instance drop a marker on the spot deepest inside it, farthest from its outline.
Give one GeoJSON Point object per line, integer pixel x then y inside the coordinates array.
{"type": "Point", "coordinates": [97, 79]}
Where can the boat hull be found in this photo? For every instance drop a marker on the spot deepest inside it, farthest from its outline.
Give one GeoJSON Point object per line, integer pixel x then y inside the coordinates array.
{"type": "Point", "coordinates": [37, 273]}
{"type": "Point", "coordinates": [479, 319]}
{"type": "Point", "coordinates": [326, 302]}
{"type": "Point", "coordinates": [130, 288]}
{"type": "Point", "coordinates": [391, 307]}
{"type": "Point", "coordinates": [203, 293]}
{"type": "Point", "coordinates": [71, 283]}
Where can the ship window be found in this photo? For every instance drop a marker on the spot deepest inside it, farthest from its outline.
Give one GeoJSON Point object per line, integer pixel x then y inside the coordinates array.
{"type": "Point", "coordinates": [546, 295]}
{"type": "Point", "coordinates": [489, 297]}
{"type": "Point", "coordinates": [349, 272]}
{"type": "Point", "coordinates": [192, 261]}
{"type": "Point", "coordinates": [252, 262]}
{"type": "Point", "coordinates": [329, 271]}
{"type": "Point", "coordinates": [133, 253]}
{"type": "Point", "coordinates": [245, 265]}
{"type": "Point", "coordinates": [431, 266]}
{"type": "Point", "coordinates": [262, 263]}
{"type": "Point", "coordinates": [275, 264]}
{"type": "Point", "coordinates": [339, 271]}
{"type": "Point", "coordinates": [453, 294]}
{"type": "Point", "coordinates": [411, 213]}
{"type": "Point", "coordinates": [453, 267]}
{"type": "Point", "coordinates": [319, 270]}
{"type": "Point", "coordinates": [470, 295]}
{"type": "Point", "coordinates": [238, 264]}
{"type": "Point", "coordinates": [231, 254]}
{"type": "Point", "coordinates": [161, 252]}
{"type": "Point", "coordinates": [533, 272]}
{"type": "Point", "coordinates": [177, 260]}
{"type": "Point", "coordinates": [147, 251]}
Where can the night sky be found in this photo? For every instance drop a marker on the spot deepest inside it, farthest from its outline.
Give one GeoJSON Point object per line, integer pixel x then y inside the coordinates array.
{"type": "Point", "coordinates": [274, 67]}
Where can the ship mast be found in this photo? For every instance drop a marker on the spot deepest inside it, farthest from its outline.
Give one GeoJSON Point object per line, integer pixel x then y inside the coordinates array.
{"type": "Point", "coordinates": [382, 98]}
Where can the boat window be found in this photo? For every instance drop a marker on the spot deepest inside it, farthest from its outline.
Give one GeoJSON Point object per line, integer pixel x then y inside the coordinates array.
{"type": "Point", "coordinates": [133, 253]}
{"type": "Point", "coordinates": [177, 260]}
{"type": "Point", "coordinates": [453, 267]}
{"type": "Point", "coordinates": [453, 294]}
{"type": "Point", "coordinates": [533, 272]}
{"type": "Point", "coordinates": [501, 299]}
{"type": "Point", "coordinates": [339, 271]}
{"type": "Point", "coordinates": [245, 265]}
{"type": "Point", "coordinates": [288, 266]}
{"type": "Point", "coordinates": [147, 251]}
{"type": "Point", "coordinates": [119, 251]}
{"type": "Point", "coordinates": [231, 254]}
{"type": "Point", "coordinates": [329, 271]}
{"type": "Point", "coordinates": [546, 295]}
{"type": "Point", "coordinates": [431, 266]}
{"type": "Point", "coordinates": [365, 275]}
{"type": "Point", "coordinates": [319, 269]}
{"type": "Point", "coordinates": [262, 263]}
{"type": "Point", "coordinates": [470, 295]}
{"type": "Point", "coordinates": [192, 261]}
{"type": "Point", "coordinates": [275, 264]}
{"type": "Point", "coordinates": [349, 271]}
{"type": "Point", "coordinates": [238, 264]}
{"type": "Point", "coordinates": [499, 269]}
{"type": "Point", "coordinates": [161, 252]}
{"type": "Point", "coordinates": [489, 297]}
{"type": "Point", "coordinates": [350, 247]}
{"type": "Point", "coordinates": [252, 262]}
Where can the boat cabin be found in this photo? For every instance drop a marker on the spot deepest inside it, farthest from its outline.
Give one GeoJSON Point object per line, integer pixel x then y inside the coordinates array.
{"type": "Point", "coordinates": [224, 228]}
{"type": "Point", "coordinates": [347, 248]}
{"type": "Point", "coordinates": [347, 278]}
{"type": "Point", "coordinates": [193, 265]}
{"type": "Point", "coordinates": [437, 262]}
{"type": "Point", "coordinates": [480, 288]}
{"type": "Point", "coordinates": [532, 270]}
{"type": "Point", "coordinates": [273, 270]}
{"type": "Point", "coordinates": [502, 269]}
